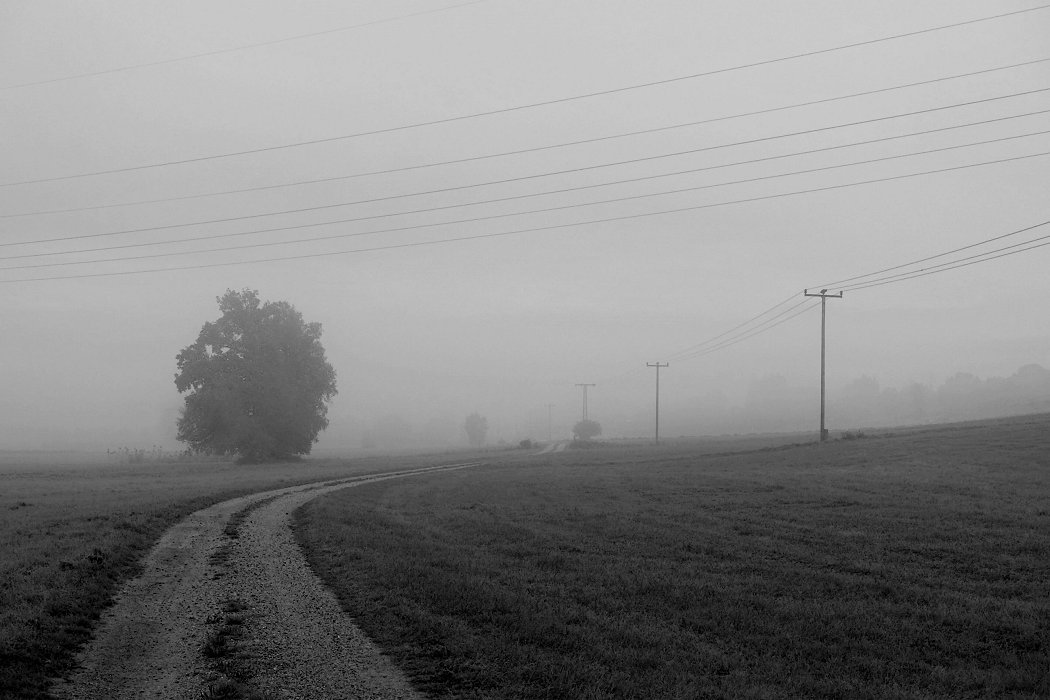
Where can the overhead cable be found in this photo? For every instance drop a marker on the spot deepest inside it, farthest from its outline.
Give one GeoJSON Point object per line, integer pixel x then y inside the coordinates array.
{"type": "Point", "coordinates": [953, 264]}
{"type": "Point", "coordinates": [482, 236]}
{"type": "Point", "coordinates": [490, 217]}
{"type": "Point", "coordinates": [838, 284]}
{"type": "Point", "coordinates": [734, 329]}
{"type": "Point", "coordinates": [966, 262]}
{"type": "Point", "coordinates": [243, 47]}
{"type": "Point", "coordinates": [565, 144]}
{"type": "Point", "coordinates": [559, 190]}
{"type": "Point", "coordinates": [737, 333]}
{"type": "Point", "coordinates": [505, 110]}
{"type": "Point", "coordinates": [729, 342]}
{"type": "Point", "coordinates": [750, 328]}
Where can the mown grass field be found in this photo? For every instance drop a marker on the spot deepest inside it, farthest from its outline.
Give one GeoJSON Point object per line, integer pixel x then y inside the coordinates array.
{"type": "Point", "coordinates": [70, 535]}
{"type": "Point", "coordinates": [914, 565]}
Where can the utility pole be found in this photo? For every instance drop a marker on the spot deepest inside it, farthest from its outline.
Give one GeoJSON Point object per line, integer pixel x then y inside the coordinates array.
{"type": "Point", "coordinates": [585, 398]}
{"type": "Point", "coordinates": [549, 407]}
{"type": "Point", "coordinates": [824, 296]}
{"type": "Point", "coordinates": [657, 365]}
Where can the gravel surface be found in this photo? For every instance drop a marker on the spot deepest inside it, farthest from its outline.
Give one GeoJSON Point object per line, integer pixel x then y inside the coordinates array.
{"type": "Point", "coordinates": [294, 641]}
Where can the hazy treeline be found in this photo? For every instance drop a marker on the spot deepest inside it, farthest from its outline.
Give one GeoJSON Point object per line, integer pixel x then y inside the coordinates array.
{"type": "Point", "coordinates": [771, 404]}
{"type": "Point", "coordinates": [961, 397]}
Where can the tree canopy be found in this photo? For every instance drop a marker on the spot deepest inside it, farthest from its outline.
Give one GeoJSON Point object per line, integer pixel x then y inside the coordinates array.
{"type": "Point", "coordinates": [476, 426]}
{"type": "Point", "coordinates": [586, 429]}
{"type": "Point", "coordinates": [257, 382]}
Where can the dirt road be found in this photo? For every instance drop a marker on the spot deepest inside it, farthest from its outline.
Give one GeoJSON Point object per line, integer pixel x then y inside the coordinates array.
{"type": "Point", "coordinates": [234, 567]}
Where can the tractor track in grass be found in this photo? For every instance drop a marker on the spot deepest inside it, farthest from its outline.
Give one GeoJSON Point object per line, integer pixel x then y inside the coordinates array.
{"type": "Point", "coordinates": [226, 601]}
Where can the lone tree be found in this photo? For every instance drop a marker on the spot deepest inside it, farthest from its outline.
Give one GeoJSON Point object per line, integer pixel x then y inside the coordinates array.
{"type": "Point", "coordinates": [476, 426]}
{"type": "Point", "coordinates": [258, 382]}
{"type": "Point", "coordinates": [586, 429]}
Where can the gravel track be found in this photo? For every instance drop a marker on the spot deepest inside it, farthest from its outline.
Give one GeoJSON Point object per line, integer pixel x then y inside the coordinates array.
{"type": "Point", "coordinates": [296, 642]}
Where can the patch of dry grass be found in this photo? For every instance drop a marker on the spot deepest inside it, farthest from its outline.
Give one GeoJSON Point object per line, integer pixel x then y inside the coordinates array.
{"type": "Point", "coordinates": [906, 566]}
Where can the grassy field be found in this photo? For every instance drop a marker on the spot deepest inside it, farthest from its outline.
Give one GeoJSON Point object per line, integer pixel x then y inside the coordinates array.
{"type": "Point", "coordinates": [913, 565]}
{"type": "Point", "coordinates": [70, 535]}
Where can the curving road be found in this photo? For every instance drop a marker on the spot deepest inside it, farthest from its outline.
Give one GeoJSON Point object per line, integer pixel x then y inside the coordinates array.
{"type": "Point", "coordinates": [297, 641]}
{"type": "Point", "coordinates": [553, 447]}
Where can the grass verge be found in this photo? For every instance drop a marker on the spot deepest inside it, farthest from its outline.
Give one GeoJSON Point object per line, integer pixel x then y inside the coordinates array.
{"type": "Point", "coordinates": [911, 566]}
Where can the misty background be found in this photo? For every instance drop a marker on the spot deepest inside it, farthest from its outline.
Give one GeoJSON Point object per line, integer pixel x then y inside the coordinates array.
{"type": "Point", "coordinates": [507, 323]}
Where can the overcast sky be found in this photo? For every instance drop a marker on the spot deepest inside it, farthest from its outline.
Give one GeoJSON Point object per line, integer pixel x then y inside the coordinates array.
{"type": "Point", "coordinates": [505, 324]}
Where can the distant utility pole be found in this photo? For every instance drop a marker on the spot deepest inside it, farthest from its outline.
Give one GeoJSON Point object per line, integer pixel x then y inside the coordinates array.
{"type": "Point", "coordinates": [824, 296]}
{"type": "Point", "coordinates": [549, 407]}
{"type": "Point", "coordinates": [657, 365]}
{"type": "Point", "coordinates": [585, 398]}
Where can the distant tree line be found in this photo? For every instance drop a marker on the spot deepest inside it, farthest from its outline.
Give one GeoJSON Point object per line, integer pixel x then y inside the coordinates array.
{"type": "Point", "coordinates": [772, 404]}
{"type": "Point", "coordinates": [962, 396]}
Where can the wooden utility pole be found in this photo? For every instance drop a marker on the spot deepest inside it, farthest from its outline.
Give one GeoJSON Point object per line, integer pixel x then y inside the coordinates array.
{"type": "Point", "coordinates": [824, 296]}
{"type": "Point", "coordinates": [549, 407]}
{"type": "Point", "coordinates": [657, 365]}
{"type": "Point", "coordinates": [585, 398]}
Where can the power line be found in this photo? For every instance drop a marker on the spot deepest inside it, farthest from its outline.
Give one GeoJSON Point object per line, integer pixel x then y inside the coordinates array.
{"type": "Point", "coordinates": [962, 262]}
{"type": "Point", "coordinates": [954, 266]}
{"type": "Point", "coordinates": [784, 316]}
{"type": "Point", "coordinates": [527, 196]}
{"type": "Point", "coordinates": [730, 343]}
{"type": "Point", "coordinates": [693, 348]}
{"type": "Point", "coordinates": [767, 325]}
{"type": "Point", "coordinates": [505, 110]}
{"type": "Point", "coordinates": [740, 332]}
{"type": "Point", "coordinates": [481, 236]}
{"type": "Point", "coordinates": [577, 170]}
{"type": "Point", "coordinates": [244, 47]}
{"type": "Point", "coordinates": [1014, 249]}
{"type": "Point", "coordinates": [535, 149]}
{"type": "Point", "coordinates": [836, 284]}
{"type": "Point", "coordinates": [614, 200]}
{"type": "Point", "coordinates": [736, 334]}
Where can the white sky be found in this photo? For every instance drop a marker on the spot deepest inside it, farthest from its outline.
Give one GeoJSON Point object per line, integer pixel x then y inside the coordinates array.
{"type": "Point", "coordinates": [505, 325]}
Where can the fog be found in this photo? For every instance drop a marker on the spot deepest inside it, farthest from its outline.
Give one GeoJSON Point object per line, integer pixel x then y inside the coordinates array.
{"type": "Point", "coordinates": [505, 314]}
